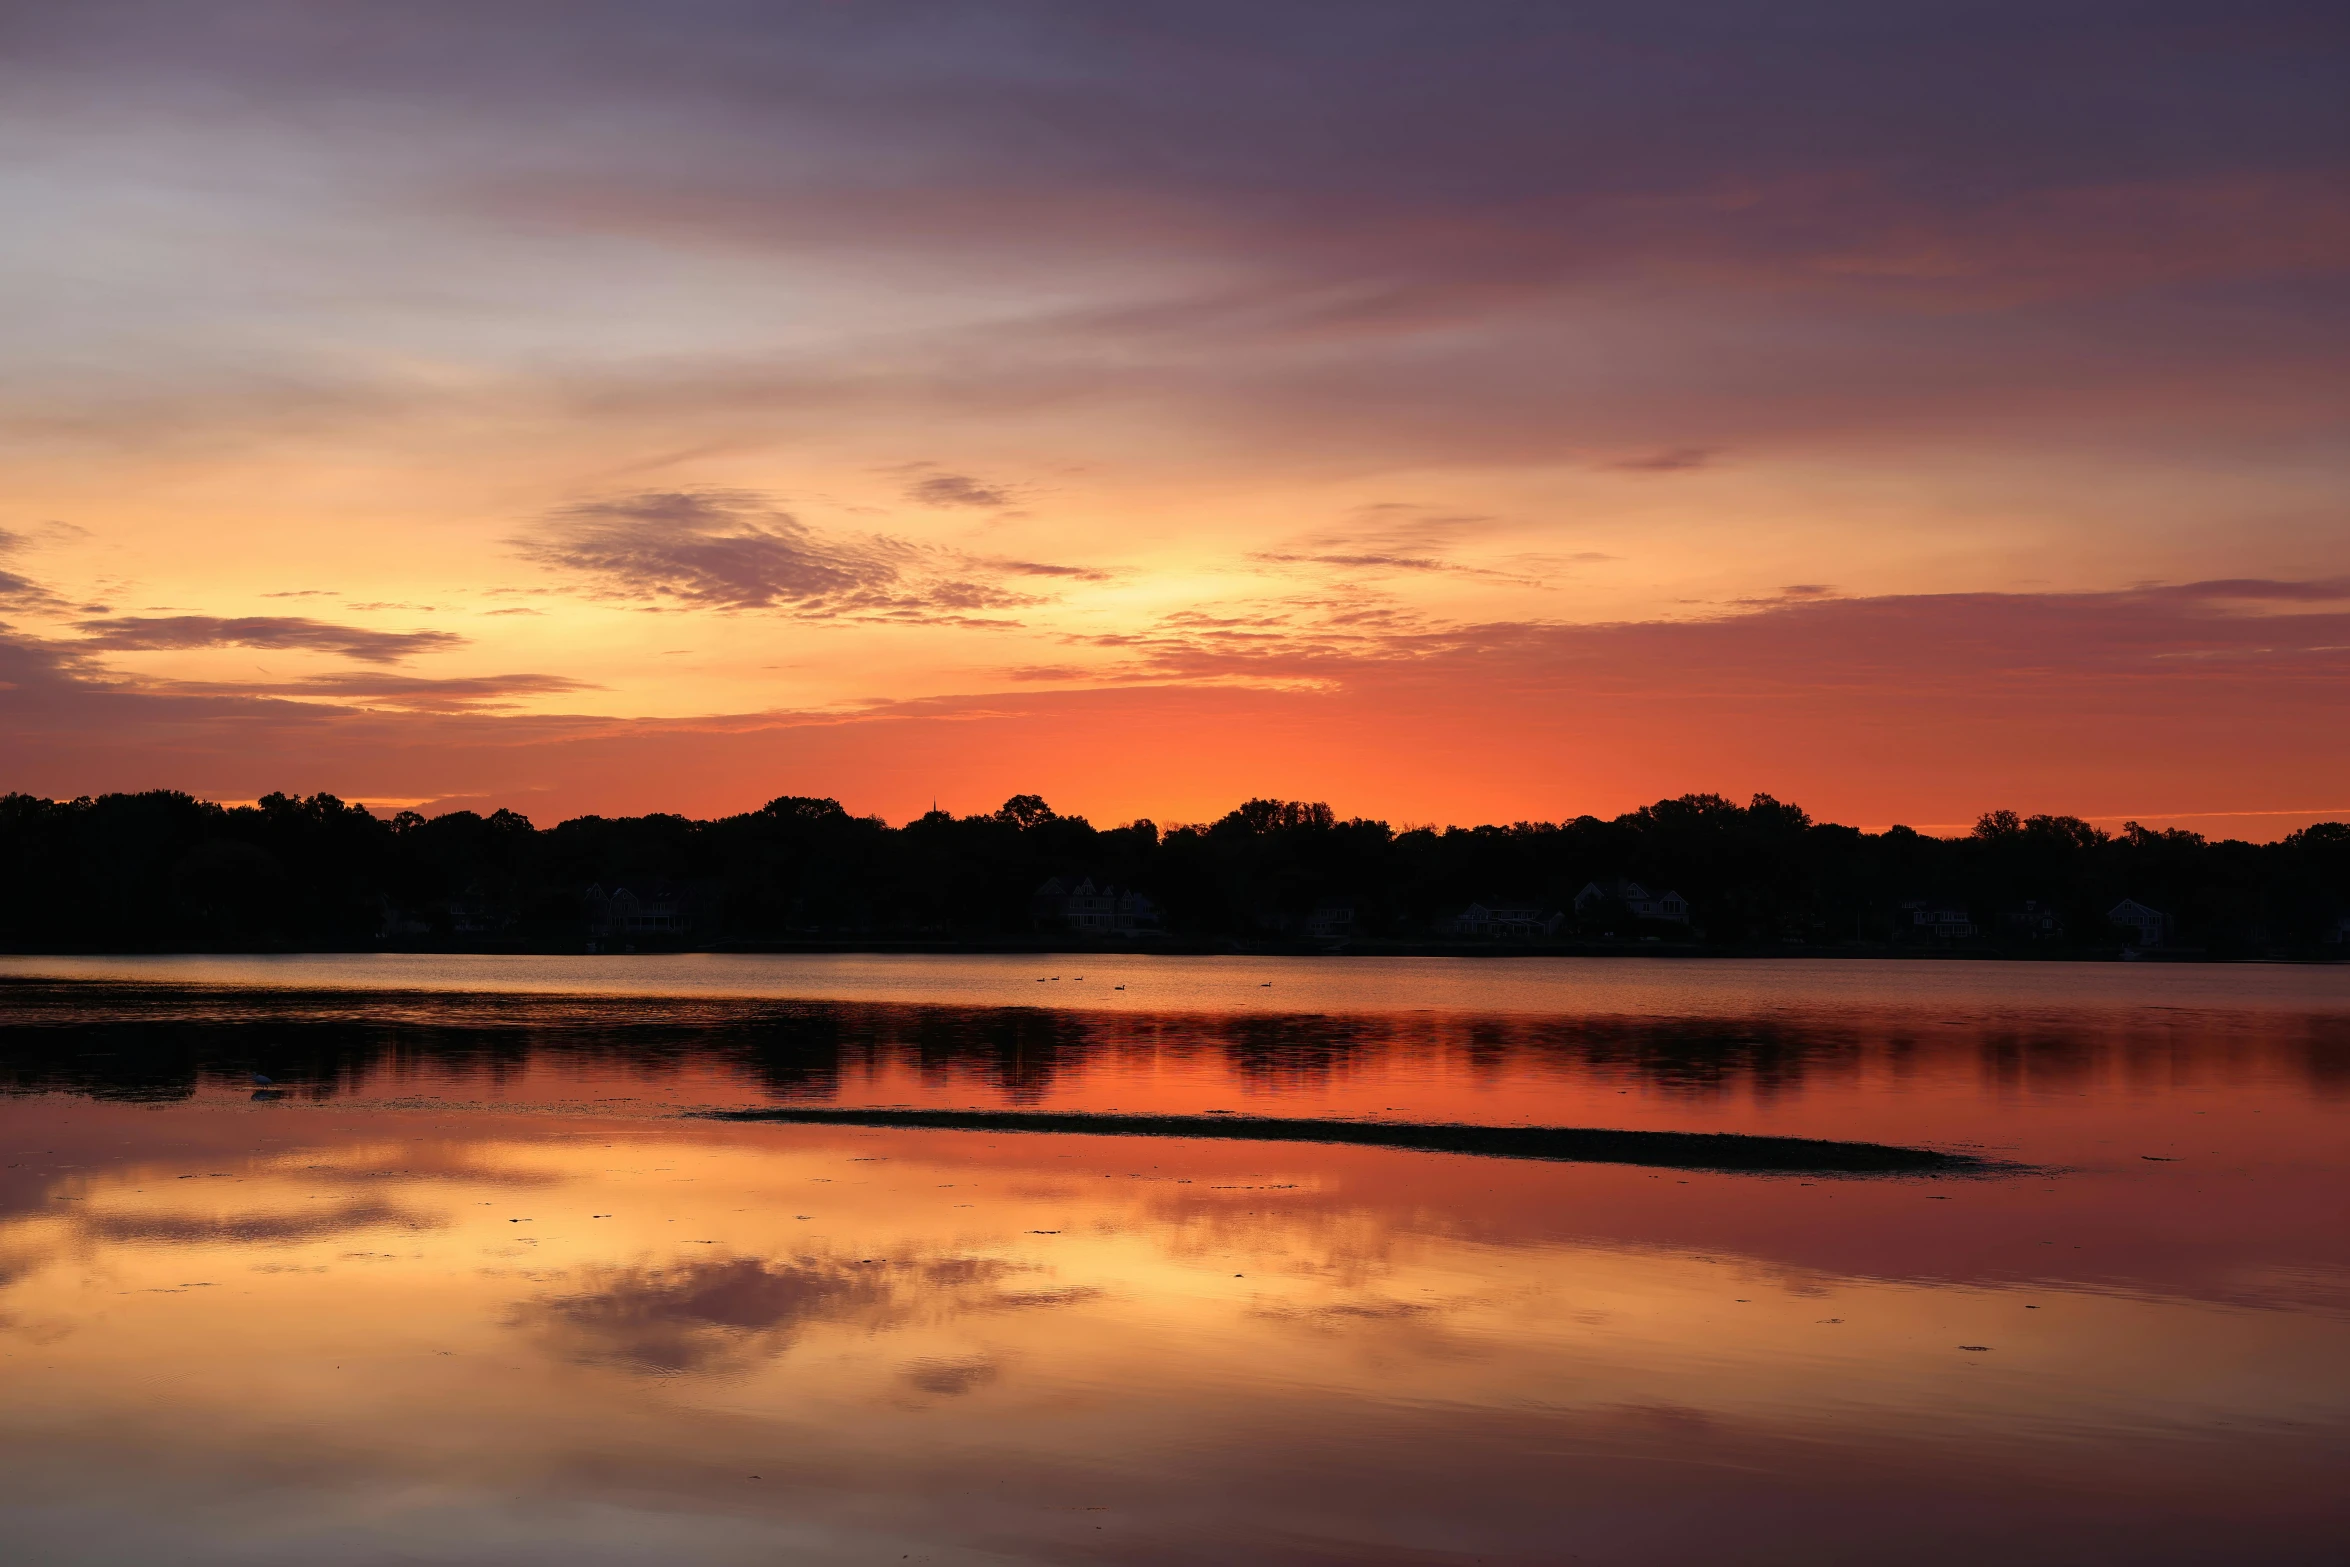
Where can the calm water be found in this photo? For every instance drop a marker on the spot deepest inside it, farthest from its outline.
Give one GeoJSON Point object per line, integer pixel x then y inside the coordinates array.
{"type": "Point", "coordinates": [465, 1282]}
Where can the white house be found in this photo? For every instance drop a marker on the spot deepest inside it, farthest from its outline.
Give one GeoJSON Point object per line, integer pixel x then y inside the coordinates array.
{"type": "Point", "coordinates": [1644, 904]}
{"type": "Point", "coordinates": [1333, 919]}
{"type": "Point", "coordinates": [1501, 920]}
{"type": "Point", "coordinates": [658, 910]}
{"type": "Point", "coordinates": [1943, 921]}
{"type": "Point", "coordinates": [2150, 927]}
{"type": "Point", "coordinates": [1105, 909]}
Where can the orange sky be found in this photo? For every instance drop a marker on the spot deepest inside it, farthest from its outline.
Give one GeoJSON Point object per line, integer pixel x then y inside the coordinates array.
{"type": "Point", "coordinates": [1455, 420]}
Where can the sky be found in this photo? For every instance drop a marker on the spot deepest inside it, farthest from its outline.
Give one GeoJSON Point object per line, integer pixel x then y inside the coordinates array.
{"type": "Point", "coordinates": [1455, 412]}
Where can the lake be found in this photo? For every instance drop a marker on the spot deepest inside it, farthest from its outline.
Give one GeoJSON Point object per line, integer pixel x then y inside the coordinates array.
{"type": "Point", "coordinates": [451, 1259]}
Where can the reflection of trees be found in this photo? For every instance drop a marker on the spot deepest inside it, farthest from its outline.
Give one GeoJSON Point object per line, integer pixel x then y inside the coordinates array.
{"type": "Point", "coordinates": [152, 1042]}
{"type": "Point", "coordinates": [2324, 1054]}
{"type": "Point", "coordinates": [1300, 1051]}
{"type": "Point", "coordinates": [1018, 1051]}
{"type": "Point", "coordinates": [2041, 1059]}
{"type": "Point", "coordinates": [1703, 1058]}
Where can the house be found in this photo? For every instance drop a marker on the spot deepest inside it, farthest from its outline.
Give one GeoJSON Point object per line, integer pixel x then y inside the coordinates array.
{"type": "Point", "coordinates": [1502, 919]}
{"type": "Point", "coordinates": [657, 907]}
{"type": "Point", "coordinates": [1942, 921]}
{"type": "Point", "coordinates": [2148, 927]}
{"type": "Point", "coordinates": [1049, 904]}
{"type": "Point", "coordinates": [1102, 910]}
{"type": "Point", "coordinates": [479, 912]}
{"type": "Point", "coordinates": [393, 923]}
{"type": "Point", "coordinates": [1645, 905]}
{"type": "Point", "coordinates": [2033, 922]}
{"type": "Point", "coordinates": [1333, 919]}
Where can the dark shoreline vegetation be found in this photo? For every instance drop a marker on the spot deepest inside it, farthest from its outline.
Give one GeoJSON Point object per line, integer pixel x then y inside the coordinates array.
{"type": "Point", "coordinates": [1723, 1151]}
{"type": "Point", "coordinates": [1700, 874]}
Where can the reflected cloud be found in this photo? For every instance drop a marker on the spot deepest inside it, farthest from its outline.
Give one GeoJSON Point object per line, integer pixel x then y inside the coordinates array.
{"type": "Point", "coordinates": [714, 1315]}
{"type": "Point", "coordinates": [251, 1229]}
{"type": "Point", "coordinates": [693, 1317]}
{"type": "Point", "coordinates": [1025, 1300]}
{"type": "Point", "coordinates": [429, 1164]}
{"type": "Point", "coordinates": [951, 1378]}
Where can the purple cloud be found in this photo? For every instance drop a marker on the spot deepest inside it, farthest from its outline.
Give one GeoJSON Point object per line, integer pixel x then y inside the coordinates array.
{"type": "Point", "coordinates": [171, 632]}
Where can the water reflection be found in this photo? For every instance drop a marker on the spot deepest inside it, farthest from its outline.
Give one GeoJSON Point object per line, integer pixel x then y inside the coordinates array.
{"type": "Point", "coordinates": [1344, 1348]}
{"type": "Point", "coordinates": [157, 1043]}
{"type": "Point", "coordinates": [473, 1291]}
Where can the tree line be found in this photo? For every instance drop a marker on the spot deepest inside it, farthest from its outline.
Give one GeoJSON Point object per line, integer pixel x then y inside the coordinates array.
{"type": "Point", "coordinates": [163, 871]}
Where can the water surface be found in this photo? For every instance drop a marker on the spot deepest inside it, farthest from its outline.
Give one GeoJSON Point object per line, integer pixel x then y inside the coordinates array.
{"type": "Point", "coordinates": [465, 1281]}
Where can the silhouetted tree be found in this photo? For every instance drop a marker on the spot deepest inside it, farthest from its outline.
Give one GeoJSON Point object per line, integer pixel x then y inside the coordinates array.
{"type": "Point", "coordinates": [165, 870]}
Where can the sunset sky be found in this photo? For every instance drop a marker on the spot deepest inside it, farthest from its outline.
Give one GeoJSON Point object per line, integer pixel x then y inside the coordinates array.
{"type": "Point", "coordinates": [1456, 412]}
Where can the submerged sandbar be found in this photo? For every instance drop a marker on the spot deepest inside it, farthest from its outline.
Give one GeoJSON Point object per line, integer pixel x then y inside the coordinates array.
{"type": "Point", "coordinates": [1731, 1151]}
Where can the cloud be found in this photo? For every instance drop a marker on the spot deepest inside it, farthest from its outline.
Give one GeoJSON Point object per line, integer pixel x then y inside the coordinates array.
{"type": "Point", "coordinates": [734, 550]}
{"type": "Point", "coordinates": [2329, 590]}
{"type": "Point", "coordinates": [1521, 154]}
{"type": "Point", "coordinates": [1673, 459]}
{"type": "Point", "coordinates": [1386, 563]}
{"type": "Point", "coordinates": [1433, 243]}
{"type": "Point", "coordinates": [159, 633]}
{"type": "Point", "coordinates": [1917, 707]}
{"type": "Point", "coordinates": [723, 549]}
{"type": "Point", "coordinates": [1036, 568]}
{"type": "Point", "coordinates": [456, 694]}
{"type": "Point", "coordinates": [21, 592]}
{"type": "Point", "coordinates": [956, 489]}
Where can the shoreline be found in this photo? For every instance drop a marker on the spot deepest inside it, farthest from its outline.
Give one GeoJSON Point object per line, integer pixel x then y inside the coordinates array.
{"type": "Point", "coordinates": [1675, 952]}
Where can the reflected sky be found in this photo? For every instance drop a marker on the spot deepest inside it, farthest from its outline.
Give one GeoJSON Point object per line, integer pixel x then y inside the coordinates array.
{"type": "Point", "coordinates": [453, 1298]}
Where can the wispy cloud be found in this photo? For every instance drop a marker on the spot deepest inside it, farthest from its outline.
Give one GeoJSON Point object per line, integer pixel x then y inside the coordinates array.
{"type": "Point", "coordinates": [723, 549]}
{"type": "Point", "coordinates": [173, 632]}
{"type": "Point", "coordinates": [18, 591]}
{"type": "Point", "coordinates": [1036, 568]}
{"type": "Point", "coordinates": [2326, 590]}
{"type": "Point", "coordinates": [1383, 562]}
{"type": "Point", "coordinates": [957, 489]}
{"type": "Point", "coordinates": [735, 550]}
{"type": "Point", "coordinates": [1672, 459]}
{"type": "Point", "coordinates": [457, 694]}
{"type": "Point", "coordinates": [1390, 563]}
